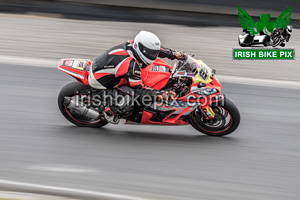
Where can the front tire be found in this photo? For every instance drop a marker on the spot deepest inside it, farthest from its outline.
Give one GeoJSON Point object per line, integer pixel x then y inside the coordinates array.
{"type": "Point", "coordinates": [69, 91]}
{"type": "Point", "coordinates": [224, 111]}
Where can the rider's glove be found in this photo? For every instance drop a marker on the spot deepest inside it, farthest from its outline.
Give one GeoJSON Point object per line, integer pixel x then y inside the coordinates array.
{"type": "Point", "coordinates": [167, 96]}
{"type": "Point", "coordinates": [180, 55]}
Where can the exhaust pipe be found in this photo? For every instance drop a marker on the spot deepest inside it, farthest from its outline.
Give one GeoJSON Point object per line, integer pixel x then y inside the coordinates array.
{"type": "Point", "coordinates": [81, 109]}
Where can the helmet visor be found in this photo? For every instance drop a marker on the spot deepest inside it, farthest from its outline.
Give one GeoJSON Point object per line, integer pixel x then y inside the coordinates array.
{"type": "Point", "coordinates": [149, 53]}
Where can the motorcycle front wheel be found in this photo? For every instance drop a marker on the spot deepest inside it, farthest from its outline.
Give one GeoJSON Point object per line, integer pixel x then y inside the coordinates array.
{"type": "Point", "coordinates": [226, 120]}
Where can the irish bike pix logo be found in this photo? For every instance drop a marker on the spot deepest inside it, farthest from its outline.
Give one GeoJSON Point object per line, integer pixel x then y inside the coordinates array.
{"type": "Point", "coordinates": [264, 39]}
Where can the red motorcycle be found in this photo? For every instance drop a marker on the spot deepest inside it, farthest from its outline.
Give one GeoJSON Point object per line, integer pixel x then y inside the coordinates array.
{"type": "Point", "coordinates": [198, 100]}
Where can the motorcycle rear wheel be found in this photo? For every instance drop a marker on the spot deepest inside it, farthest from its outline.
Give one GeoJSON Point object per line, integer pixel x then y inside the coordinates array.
{"type": "Point", "coordinates": [220, 126]}
{"type": "Point", "coordinates": [69, 91]}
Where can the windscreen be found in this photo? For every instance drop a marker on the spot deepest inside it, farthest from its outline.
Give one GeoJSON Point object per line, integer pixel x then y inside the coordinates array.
{"type": "Point", "coordinates": [190, 66]}
{"type": "Point", "coordinates": [195, 67]}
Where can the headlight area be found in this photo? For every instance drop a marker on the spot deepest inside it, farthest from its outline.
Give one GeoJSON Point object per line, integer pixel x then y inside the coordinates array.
{"type": "Point", "coordinates": [204, 91]}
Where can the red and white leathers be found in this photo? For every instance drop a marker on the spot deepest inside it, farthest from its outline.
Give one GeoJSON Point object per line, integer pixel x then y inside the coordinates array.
{"type": "Point", "coordinates": [120, 66]}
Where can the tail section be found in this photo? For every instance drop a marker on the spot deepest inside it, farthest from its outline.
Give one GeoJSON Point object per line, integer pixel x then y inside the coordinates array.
{"type": "Point", "coordinates": [78, 68]}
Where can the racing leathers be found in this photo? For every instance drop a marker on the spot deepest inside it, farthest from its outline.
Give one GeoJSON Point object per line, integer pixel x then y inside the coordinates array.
{"type": "Point", "coordinates": [120, 66]}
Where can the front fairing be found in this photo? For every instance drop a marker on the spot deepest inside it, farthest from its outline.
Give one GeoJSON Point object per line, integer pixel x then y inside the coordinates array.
{"type": "Point", "coordinates": [204, 95]}
{"type": "Point", "coordinates": [210, 90]}
{"type": "Point", "coordinates": [204, 73]}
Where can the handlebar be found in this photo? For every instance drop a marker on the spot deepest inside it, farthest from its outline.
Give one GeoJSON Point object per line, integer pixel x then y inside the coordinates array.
{"type": "Point", "coordinates": [179, 64]}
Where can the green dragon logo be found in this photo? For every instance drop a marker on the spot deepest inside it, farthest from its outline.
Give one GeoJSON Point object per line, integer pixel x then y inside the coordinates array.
{"type": "Point", "coordinates": [264, 24]}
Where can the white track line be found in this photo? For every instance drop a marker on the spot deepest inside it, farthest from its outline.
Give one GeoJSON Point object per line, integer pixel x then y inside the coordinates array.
{"type": "Point", "coordinates": [52, 63]}
{"type": "Point", "coordinates": [29, 196]}
{"type": "Point", "coordinates": [61, 168]}
{"type": "Point", "coordinates": [69, 190]}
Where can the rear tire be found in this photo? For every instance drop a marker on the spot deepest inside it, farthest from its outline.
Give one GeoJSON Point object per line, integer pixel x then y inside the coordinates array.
{"type": "Point", "coordinates": [69, 90]}
{"type": "Point", "coordinates": [234, 115]}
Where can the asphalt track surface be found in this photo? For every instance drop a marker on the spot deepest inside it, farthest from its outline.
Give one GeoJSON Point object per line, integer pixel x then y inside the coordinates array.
{"type": "Point", "coordinates": [259, 161]}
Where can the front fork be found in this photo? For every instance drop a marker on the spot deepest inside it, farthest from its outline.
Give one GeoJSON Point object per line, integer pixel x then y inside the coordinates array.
{"type": "Point", "coordinates": [207, 112]}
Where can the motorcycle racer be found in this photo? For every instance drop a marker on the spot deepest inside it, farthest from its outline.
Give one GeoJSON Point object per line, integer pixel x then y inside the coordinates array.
{"type": "Point", "coordinates": [281, 35]}
{"type": "Point", "coordinates": [121, 65]}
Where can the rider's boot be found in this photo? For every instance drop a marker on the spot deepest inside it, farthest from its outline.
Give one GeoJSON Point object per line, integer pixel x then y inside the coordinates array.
{"type": "Point", "coordinates": [110, 116]}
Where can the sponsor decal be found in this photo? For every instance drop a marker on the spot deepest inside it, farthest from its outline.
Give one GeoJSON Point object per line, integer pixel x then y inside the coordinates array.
{"type": "Point", "coordinates": [81, 65]}
{"type": "Point", "coordinates": [68, 63]}
{"type": "Point", "coordinates": [264, 33]}
{"type": "Point", "coordinates": [75, 64]}
{"type": "Point", "coordinates": [160, 68]}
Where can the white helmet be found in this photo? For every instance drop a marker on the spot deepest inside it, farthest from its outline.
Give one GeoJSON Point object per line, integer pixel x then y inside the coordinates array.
{"type": "Point", "coordinates": [289, 29]}
{"type": "Point", "coordinates": [146, 46]}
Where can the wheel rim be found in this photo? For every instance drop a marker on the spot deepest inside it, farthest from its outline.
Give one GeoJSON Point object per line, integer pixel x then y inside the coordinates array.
{"type": "Point", "coordinates": [220, 124]}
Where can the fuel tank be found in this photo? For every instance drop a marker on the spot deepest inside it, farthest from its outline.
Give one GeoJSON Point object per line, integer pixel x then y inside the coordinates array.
{"type": "Point", "coordinates": [157, 74]}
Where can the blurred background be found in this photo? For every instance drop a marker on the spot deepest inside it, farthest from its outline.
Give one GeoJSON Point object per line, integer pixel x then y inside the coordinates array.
{"type": "Point", "coordinates": [38, 146]}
